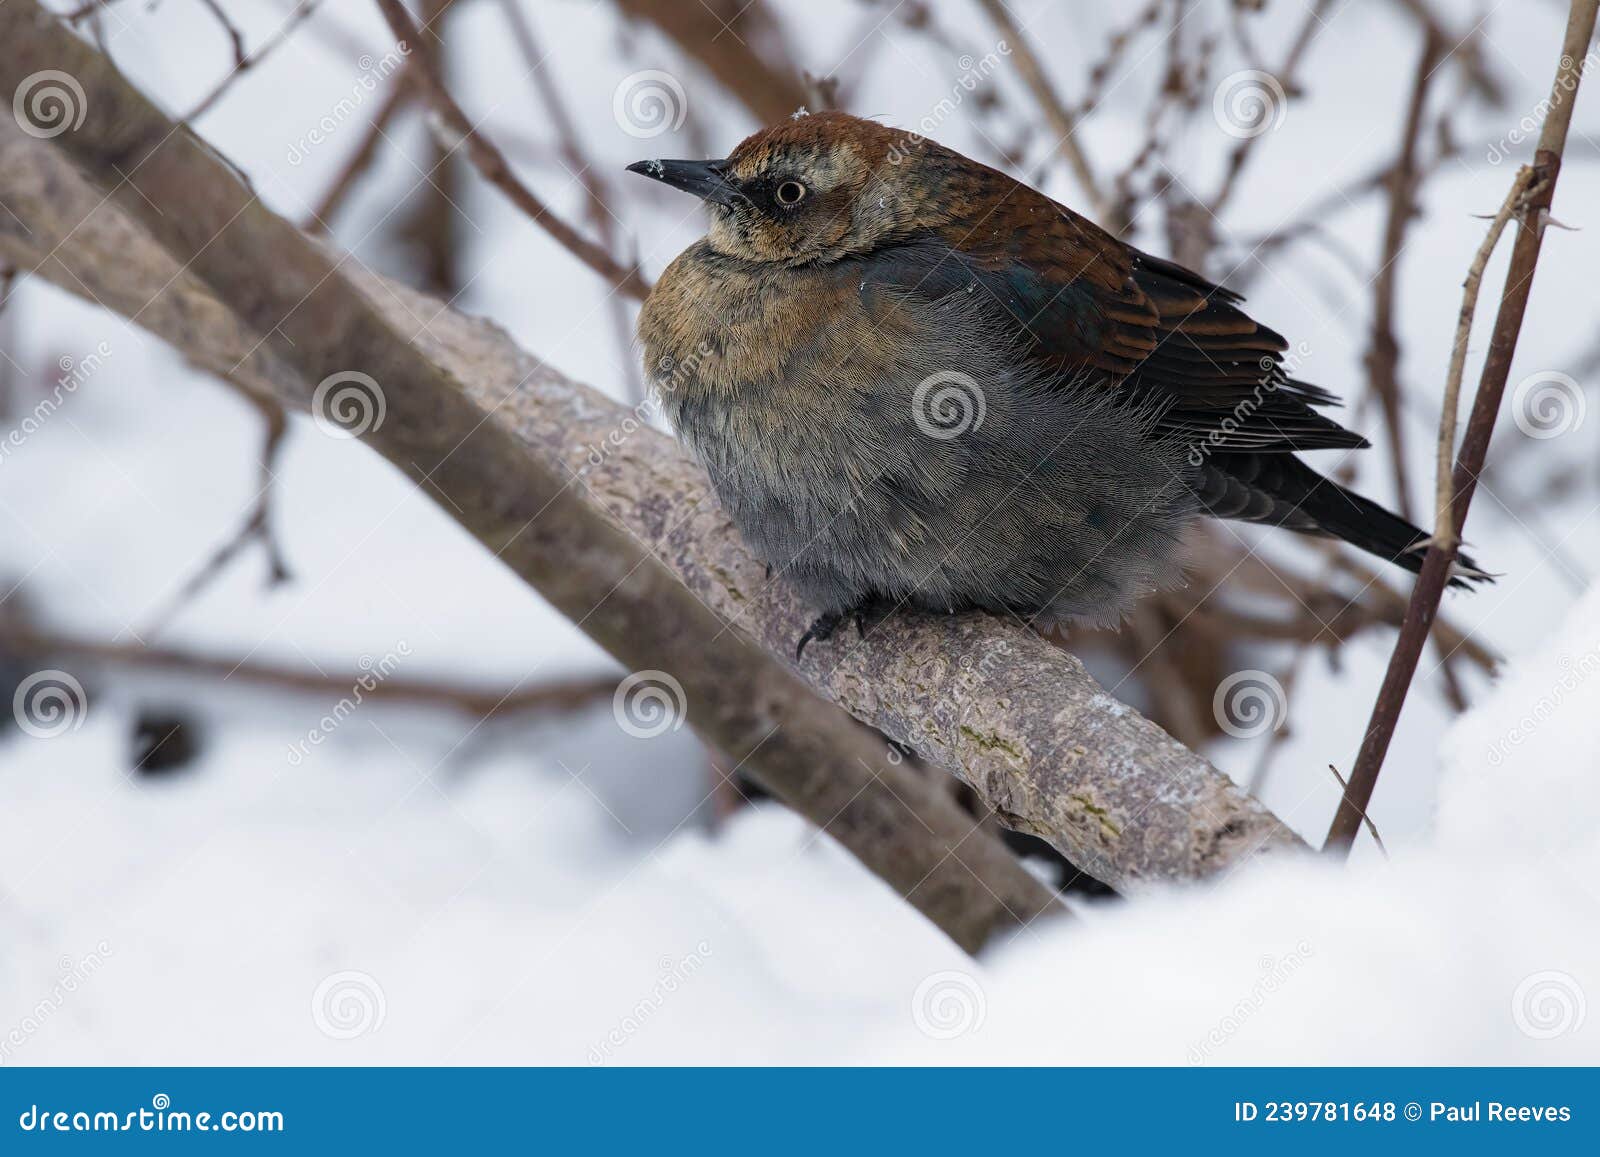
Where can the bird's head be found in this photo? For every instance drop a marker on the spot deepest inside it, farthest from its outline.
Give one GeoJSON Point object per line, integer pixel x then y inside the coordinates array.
{"type": "Point", "coordinates": [815, 188]}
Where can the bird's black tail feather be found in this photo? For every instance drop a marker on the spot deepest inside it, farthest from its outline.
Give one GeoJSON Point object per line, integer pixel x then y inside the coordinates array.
{"type": "Point", "coordinates": [1281, 490]}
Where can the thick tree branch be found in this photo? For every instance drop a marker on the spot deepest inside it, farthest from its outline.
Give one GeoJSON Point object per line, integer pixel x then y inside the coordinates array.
{"type": "Point", "coordinates": [526, 460]}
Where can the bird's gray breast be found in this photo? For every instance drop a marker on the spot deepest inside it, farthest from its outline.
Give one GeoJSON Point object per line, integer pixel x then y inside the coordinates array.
{"type": "Point", "coordinates": [903, 450]}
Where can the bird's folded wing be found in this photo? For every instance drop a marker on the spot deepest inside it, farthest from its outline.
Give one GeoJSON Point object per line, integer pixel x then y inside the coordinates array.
{"type": "Point", "coordinates": [1088, 307]}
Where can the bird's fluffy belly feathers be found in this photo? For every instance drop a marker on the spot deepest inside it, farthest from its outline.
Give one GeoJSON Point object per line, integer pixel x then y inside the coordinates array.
{"type": "Point", "coordinates": [871, 448]}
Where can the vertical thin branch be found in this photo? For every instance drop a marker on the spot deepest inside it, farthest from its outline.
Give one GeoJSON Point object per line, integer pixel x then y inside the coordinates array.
{"type": "Point", "coordinates": [1403, 181]}
{"type": "Point", "coordinates": [1533, 212]}
{"type": "Point", "coordinates": [1383, 357]}
{"type": "Point", "coordinates": [429, 227]}
{"type": "Point", "coordinates": [1444, 528]}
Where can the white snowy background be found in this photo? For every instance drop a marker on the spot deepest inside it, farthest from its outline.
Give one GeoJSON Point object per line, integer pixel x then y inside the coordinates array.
{"type": "Point", "coordinates": [424, 889]}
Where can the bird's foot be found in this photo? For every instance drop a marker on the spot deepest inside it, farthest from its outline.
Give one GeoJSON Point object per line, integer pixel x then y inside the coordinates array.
{"type": "Point", "coordinates": [823, 628]}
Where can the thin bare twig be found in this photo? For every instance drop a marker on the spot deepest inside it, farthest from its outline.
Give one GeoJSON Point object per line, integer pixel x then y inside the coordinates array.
{"type": "Point", "coordinates": [1403, 181]}
{"type": "Point", "coordinates": [257, 524]}
{"type": "Point", "coordinates": [244, 64]}
{"type": "Point", "coordinates": [822, 92]}
{"type": "Point", "coordinates": [1429, 588]}
{"type": "Point", "coordinates": [1365, 818]}
{"type": "Point", "coordinates": [322, 214]}
{"type": "Point", "coordinates": [235, 37]}
{"type": "Point", "coordinates": [1444, 529]}
{"type": "Point", "coordinates": [84, 11]}
{"type": "Point", "coordinates": [493, 167]}
{"type": "Point", "coordinates": [479, 702]}
{"type": "Point", "coordinates": [1383, 355]}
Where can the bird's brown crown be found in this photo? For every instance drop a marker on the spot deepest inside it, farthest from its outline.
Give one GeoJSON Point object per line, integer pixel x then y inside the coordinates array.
{"type": "Point", "coordinates": [820, 187]}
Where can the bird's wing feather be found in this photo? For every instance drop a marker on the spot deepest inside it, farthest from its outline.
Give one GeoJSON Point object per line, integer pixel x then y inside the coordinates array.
{"type": "Point", "coordinates": [1084, 302]}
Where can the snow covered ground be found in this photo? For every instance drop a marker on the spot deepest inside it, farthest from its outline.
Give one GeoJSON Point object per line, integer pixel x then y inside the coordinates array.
{"type": "Point", "coordinates": [424, 889]}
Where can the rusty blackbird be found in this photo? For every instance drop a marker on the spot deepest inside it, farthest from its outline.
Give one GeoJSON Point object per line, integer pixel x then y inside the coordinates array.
{"type": "Point", "coordinates": [915, 380]}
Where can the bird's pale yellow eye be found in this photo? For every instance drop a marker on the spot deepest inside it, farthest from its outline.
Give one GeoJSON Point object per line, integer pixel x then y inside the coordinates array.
{"type": "Point", "coordinates": [791, 193]}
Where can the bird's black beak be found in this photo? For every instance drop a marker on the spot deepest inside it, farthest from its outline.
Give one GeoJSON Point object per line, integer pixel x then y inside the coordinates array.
{"type": "Point", "coordinates": [705, 179]}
